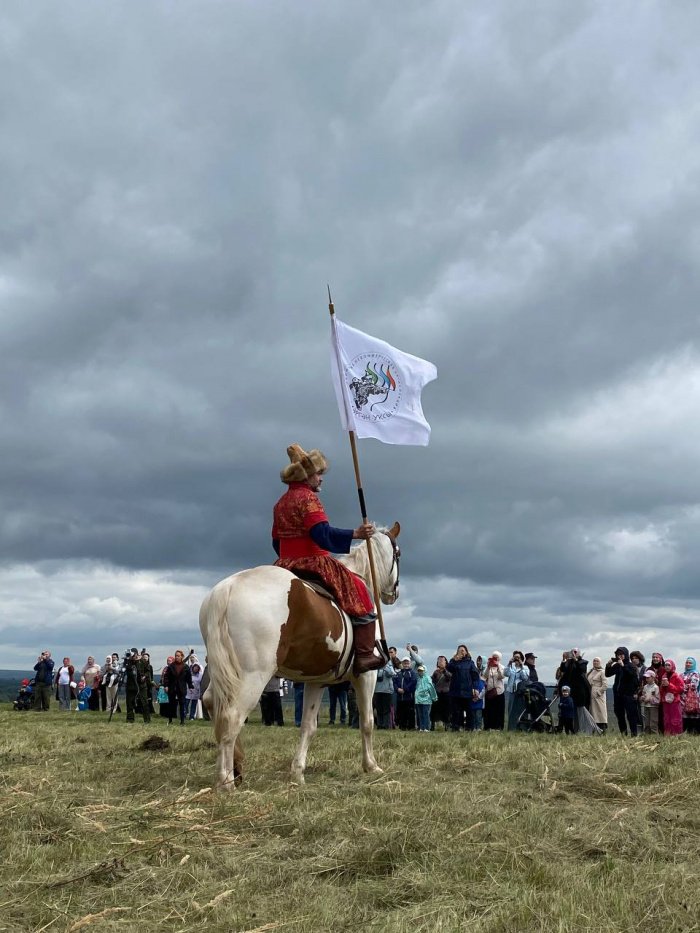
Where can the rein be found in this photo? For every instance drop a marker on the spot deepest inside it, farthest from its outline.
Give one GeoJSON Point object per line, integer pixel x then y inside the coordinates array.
{"type": "Point", "coordinates": [395, 559]}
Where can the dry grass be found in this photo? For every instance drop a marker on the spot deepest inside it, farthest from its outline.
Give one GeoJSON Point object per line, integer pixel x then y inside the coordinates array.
{"type": "Point", "coordinates": [486, 832]}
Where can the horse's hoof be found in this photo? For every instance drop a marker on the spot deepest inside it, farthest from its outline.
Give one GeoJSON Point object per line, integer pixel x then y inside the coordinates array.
{"type": "Point", "coordinates": [297, 779]}
{"type": "Point", "coordinates": [227, 786]}
{"type": "Point", "coordinates": [375, 770]}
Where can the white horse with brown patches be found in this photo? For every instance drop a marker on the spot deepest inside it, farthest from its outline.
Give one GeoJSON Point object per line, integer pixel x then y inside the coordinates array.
{"type": "Point", "coordinates": [266, 620]}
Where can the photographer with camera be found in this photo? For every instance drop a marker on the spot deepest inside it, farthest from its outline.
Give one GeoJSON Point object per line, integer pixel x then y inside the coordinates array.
{"type": "Point", "coordinates": [43, 681]}
{"type": "Point", "coordinates": [573, 674]}
{"type": "Point", "coordinates": [625, 688]}
{"type": "Point", "coordinates": [138, 684]}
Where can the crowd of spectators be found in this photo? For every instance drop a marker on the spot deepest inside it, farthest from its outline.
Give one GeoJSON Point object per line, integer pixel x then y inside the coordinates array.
{"type": "Point", "coordinates": [471, 694]}
{"type": "Point", "coordinates": [100, 688]}
{"type": "Point", "coordinates": [655, 699]}
{"type": "Point", "coordinates": [462, 693]}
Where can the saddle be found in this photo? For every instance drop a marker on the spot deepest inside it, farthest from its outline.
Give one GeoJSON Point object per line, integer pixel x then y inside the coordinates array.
{"type": "Point", "coordinates": [315, 583]}
{"type": "Point", "coordinates": [316, 639]}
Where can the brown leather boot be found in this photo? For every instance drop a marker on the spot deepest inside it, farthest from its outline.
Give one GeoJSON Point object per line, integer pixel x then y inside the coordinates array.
{"type": "Point", "coordinates": [365, 658]}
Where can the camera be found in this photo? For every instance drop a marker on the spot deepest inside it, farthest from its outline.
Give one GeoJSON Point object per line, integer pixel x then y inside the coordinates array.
{"type": "Point", "coordinates": [126, 660]}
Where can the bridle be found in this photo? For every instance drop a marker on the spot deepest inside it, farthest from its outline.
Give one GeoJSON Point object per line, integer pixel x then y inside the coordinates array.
{"type": "Point", "coordinates": [395, 562]}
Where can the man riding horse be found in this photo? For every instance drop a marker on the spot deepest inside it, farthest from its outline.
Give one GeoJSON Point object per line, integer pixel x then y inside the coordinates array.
{"type": "Point", "coordinates": [303, 539]}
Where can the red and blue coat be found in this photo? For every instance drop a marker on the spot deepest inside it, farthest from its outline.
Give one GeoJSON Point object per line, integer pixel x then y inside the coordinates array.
{"type": "Point", "coordinates": [304, 539]}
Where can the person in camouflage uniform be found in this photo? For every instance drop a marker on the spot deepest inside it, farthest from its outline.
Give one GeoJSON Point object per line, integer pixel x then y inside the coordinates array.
{"type": "Point", "coordinates": [138, 684]}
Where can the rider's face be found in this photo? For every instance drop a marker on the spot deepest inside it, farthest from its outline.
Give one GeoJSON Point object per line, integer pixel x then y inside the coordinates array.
{"type": "Point", "coordinates": [315, 481]}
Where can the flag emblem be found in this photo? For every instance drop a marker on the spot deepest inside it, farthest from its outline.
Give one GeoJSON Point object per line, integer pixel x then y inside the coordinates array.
{"type": "Point", "coordinates": [378, 387]}
{"type": "Point", "coordinates": [374, 385]}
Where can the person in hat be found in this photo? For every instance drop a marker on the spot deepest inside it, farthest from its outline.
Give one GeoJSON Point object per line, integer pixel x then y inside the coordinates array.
{"type": "Point", "coordinates": [573, 675]}
{"type": "Point", "coordinates": [530, 659]}
{"type": "Point", "coordinates": [138, 685]}
{"type": "Point", "coordinates": [303, 539]}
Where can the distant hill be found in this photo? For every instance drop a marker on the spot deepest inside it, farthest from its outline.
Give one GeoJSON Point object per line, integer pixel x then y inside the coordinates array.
{"type": "Point", "coordinates": [10, 681]}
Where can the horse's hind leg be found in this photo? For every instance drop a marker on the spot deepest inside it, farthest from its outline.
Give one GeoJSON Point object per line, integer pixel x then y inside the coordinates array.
{"type": "Point", "coordinates": [228, 724]}
{"type": "Point", "coordinates": [364, 691]}
{"type": "Point", "coordinates": [309, 724]}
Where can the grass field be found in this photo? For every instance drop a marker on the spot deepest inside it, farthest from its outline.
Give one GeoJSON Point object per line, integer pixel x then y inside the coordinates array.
{"type": "Point", "coordinates": [482, 832]}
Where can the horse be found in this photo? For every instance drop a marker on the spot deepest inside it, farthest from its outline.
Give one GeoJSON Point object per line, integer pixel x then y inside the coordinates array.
{"type": "Point", "coordinates": [266, 620]}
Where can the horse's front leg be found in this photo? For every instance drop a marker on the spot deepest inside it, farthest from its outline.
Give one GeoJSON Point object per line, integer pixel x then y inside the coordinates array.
{"type": "Point", "coordinates": [364, 690]}
{"type": "Point", "coordinates": [309, 724]}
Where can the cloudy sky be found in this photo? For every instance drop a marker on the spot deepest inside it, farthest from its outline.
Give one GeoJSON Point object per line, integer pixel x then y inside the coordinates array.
{"type": "Point", "coordinates": [508, 189]}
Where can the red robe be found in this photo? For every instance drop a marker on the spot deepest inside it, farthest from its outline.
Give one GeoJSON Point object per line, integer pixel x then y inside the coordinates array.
{"type": "Point", "coordinates": [295, 514]}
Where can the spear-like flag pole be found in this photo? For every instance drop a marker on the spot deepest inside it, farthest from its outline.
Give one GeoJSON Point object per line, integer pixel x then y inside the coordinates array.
{"type": "Point", "coordinates": [360, 491]}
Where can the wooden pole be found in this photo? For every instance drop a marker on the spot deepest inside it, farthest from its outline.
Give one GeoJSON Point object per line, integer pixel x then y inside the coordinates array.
{"type": "Point", "coordinates": [358, 480]}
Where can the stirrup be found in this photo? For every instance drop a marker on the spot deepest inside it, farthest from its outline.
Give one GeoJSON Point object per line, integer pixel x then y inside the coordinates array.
{"type": "Point", "coordinates": [380, 647]}
{"type": "Point", "coordinates": [365, 619]}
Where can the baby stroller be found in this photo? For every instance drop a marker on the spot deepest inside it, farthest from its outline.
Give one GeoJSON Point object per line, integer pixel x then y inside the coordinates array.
{"type": "Point", "coordinates": [25, 696]}
{"type": "Point", "coordinates": [537, 715]}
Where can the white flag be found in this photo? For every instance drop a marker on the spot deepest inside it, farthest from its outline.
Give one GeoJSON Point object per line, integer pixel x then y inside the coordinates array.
{"type": "Point", "coordinates": [378, 387]}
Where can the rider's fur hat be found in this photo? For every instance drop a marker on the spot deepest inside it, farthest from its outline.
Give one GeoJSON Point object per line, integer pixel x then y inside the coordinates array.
{"type": "Point", "coordinates": [303, 464]}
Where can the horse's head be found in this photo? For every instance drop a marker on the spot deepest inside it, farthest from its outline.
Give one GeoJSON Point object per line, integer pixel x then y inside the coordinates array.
{"type": "Point", "coordinates": [387, 555]}
{"type": "Point", "coordinates": [389, 587]}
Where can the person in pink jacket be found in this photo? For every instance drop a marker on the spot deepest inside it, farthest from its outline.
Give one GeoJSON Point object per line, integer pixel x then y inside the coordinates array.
{"type": "Point", "coordinates": [671, 688]}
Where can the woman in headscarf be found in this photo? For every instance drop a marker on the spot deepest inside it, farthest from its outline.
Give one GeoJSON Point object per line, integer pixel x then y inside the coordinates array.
{"type": "Point", "coordinates": [671, 688]}
{"type": "Point", "coordinates": [193, 692]}
{"type": "Point", "coordinates": [690, 698]}
{"type": "Point", "coordinates": [657, 665]}
{"type": "Point", "coordinates": [494, 695]}
{"type": "Point", "coordinates": [110, 681]}
{"type": "Point", "coordinates": [599, 690]}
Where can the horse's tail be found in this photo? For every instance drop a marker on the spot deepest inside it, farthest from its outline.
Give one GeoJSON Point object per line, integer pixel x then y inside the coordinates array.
{"type": "Point", "coordinates": [222, 660]}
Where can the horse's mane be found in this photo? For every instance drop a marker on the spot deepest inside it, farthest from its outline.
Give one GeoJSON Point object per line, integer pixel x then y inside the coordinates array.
{"type": "Point", "coordinates": [358, 558]}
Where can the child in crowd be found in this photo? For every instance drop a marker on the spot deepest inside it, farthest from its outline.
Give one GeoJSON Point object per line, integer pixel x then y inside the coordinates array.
{"type": "Point", "coordinates": [567, 711]}
{"type": "Point", "coordinates": [426, 694]}
{"type": "Point", "coordinates": [25, 694]}
{"type": "Point", "coordinates": [651, 697]}
{"type": "Point", "coordinates": [84, 693]}
{"type": "Point", "coordinates": [478, 706]}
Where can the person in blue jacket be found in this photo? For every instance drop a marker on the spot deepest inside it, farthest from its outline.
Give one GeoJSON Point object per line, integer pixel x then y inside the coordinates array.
{"type": "Point", "coordinates": [84, 693]}
{"type": "Point", "coordinates": [425, 696]}
{"type": "Point", "coordinates": [464, 689]}
{"type": "Point", "coordinates": [478, 705]}
{"type": "Point", "coordinates": [405, 681]}
{"type": "Point", "coordinates": [567, 711]}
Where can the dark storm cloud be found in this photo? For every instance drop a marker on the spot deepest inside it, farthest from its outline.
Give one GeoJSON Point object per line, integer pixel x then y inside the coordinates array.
{"type": "Point", "coordinates": [509, 192]}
